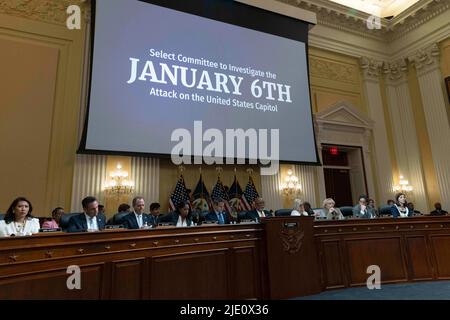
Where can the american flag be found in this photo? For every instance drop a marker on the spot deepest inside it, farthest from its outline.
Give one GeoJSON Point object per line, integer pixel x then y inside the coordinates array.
{"type": "Point", "coordinates": [219, 192]}
{"type": "Point", "coordinates": [179, 194]}
{"type": "Point", "coordinates": [250, 194]}
{"type": "Point", "coordinates": [234, 196]}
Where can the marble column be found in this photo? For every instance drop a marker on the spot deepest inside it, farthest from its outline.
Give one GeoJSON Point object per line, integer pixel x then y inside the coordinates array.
{"type": "Point", "coordinates": [426, 62]}
{"type": "Point", "coordinates": [371, 86]}
{"type": "Point", "coordinates": [406, 144]}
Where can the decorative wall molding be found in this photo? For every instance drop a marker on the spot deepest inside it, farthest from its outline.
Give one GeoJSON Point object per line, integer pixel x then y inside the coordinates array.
{"type": "Point", "coordinates": [343, 124]}
{"type": "Point", "coordinates": [426, 59]}
{"type": "Point", "coordinates": [332, 70]}
{"type": "Point", "coordinates": [396, 70]}
{"type": "Point", "coordinates": [353, 21]}
{"type": "Point", "coordinates": [370, 68]}
{"type": "Point", "coordinates": [52, 11]}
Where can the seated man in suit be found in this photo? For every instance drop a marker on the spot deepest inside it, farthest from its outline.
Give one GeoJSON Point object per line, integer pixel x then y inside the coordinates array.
{"type": "Point", "coordinates": [218, 214]}
{"type": "Point", "coordinates": [258, 211]}
{"type": "Point", "coordinates": [155, 212]}
{"type": "Point", "coordinates": [89, 220]}
{"type": "Point", "coordinates": [411, 208]}
{"type": "Point", "coordinates": [438, 210]}
{"type": "Point", "coordinates": [181, 217]}
{"type": "Point", "coordinates": [138, 219]}
{"type": "Point", "coordinates": [362, 210]}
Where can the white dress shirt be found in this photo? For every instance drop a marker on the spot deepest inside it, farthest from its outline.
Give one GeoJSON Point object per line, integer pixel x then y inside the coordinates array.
{"type": "Point", "coordinates": [91, 223]}
{"type": "Point", "coordinates": [181, 222]}
{"type": "Point", "coordinates": [31, 226]}
{"type": "Point", "coordinates": [296, 213]}
{"type": "Point", "coordinates": [139, 219]}
{"type": "Point", "coordinates": [261, 214]}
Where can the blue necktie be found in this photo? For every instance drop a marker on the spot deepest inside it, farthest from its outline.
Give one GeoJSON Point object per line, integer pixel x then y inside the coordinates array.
{"type": "Point", "coordinates": [221, 221]}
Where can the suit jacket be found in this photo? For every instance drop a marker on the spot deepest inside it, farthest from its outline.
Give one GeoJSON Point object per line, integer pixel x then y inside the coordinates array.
{"type": "Point", "coordinates": [78, 223]}
{"type": "Point", "coordinates": [254, 214]}
{"type": "Point", "coordinates": [368, 213]}
{"type": "Point", "coordinates": [438, 213]}
{"type": "Point", "coordinates": [396, 213]}
{"type": "Point", "coordinates": [130, 221]}
{"type": "Point", "coordinates": [172, 217]}
{"type": "Point", "coordinates": [212, 216]}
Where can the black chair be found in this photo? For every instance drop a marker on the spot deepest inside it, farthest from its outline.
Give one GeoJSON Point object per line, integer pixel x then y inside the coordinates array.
{"type": "Point", "coordinates": [64, 222]}
{"type": "Point", "coordinates": [118, 217]}
{"type": "Point", "coordinates": [241, 216]}
{"type": "Point", "coordinates": [283, 212]}
{"type": "Point", "coordinates": [385, 211]}
{"type": "Point", "coordinates": [347, 211]}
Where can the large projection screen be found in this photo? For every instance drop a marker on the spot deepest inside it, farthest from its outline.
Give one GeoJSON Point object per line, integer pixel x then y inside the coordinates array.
{"type": "Point", "coordinates": [156, 69]}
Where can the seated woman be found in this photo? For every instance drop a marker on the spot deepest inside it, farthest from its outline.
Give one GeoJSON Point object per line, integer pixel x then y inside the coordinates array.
{"type": "Point", "coordinates": [18, 219]}
{"type": "Point", "coordinates": [298, 210]}
{"type": "Point", "coordinates": [181, 217]}
{"type": "Point", "coordinates": [329, 211]}
{"type": "Point", "coordinates": [308, 209]}
{"type": "Point", "coordinates": [400, 207]}
{"type": "Point", "coordinates": [56, 217]}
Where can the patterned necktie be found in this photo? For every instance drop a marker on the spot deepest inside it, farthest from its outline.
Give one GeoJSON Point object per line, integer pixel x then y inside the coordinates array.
{"type": "Point", "coordinates": [221, 221]}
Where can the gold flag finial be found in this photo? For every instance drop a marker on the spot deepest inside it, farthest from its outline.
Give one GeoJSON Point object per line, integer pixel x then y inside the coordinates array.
{"type": "Point", "coordinates": [249, 171]}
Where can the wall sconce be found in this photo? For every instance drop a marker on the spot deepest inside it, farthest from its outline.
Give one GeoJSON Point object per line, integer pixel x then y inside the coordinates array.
{"type": "Point", "coordinates": [403, 186]}
{"type": "Point", "coordinates": [290, 187]}
{"type": "Point", "coordinates": [119, 184]}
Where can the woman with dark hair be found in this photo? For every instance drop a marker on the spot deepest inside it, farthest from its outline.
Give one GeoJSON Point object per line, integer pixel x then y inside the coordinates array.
{"type": "Point", "coordinates": [183, 214]}
{"type": "Point", "coordinates": [18, 219]}
{"type": "Point", "coordinates": [56, 217]}
{"type": "Point", "coordinates": [181, 217]}
{"type": "Point", "coordinates": [400, 207]}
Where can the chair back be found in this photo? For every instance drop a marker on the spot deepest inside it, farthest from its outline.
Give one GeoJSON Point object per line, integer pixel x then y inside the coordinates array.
{"type": "Point", "coordinates": [241, 216]}
{"type": "Point", "coordinates": [283, 212]}
{"type": "Point", "coordinates": [347, 211]}
{"type": "Point", "coordinates": [385, 211]}
{"type": "Point", "coordinates": [64, 222]}
{"type": "Point", "coordinates": [118, 217]}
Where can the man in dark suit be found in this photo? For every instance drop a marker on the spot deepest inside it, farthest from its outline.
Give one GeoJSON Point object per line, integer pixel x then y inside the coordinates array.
{"type": "Point", "coordinates": [89, 220]}
{"type": "Point", "coordinates": [138, 219]}
{"type": "Point", "coordinates": [218, 214]}
{"type": "Point", "coordinates": [155, 212]}
{"type": "Point", "coordinates": [438, 210]}
{"type": "Point", "coordinates": [258, 212]}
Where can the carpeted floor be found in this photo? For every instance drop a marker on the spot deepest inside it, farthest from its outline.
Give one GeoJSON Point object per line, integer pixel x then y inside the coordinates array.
{"type": "Point", "coordinates": [435, 290]}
